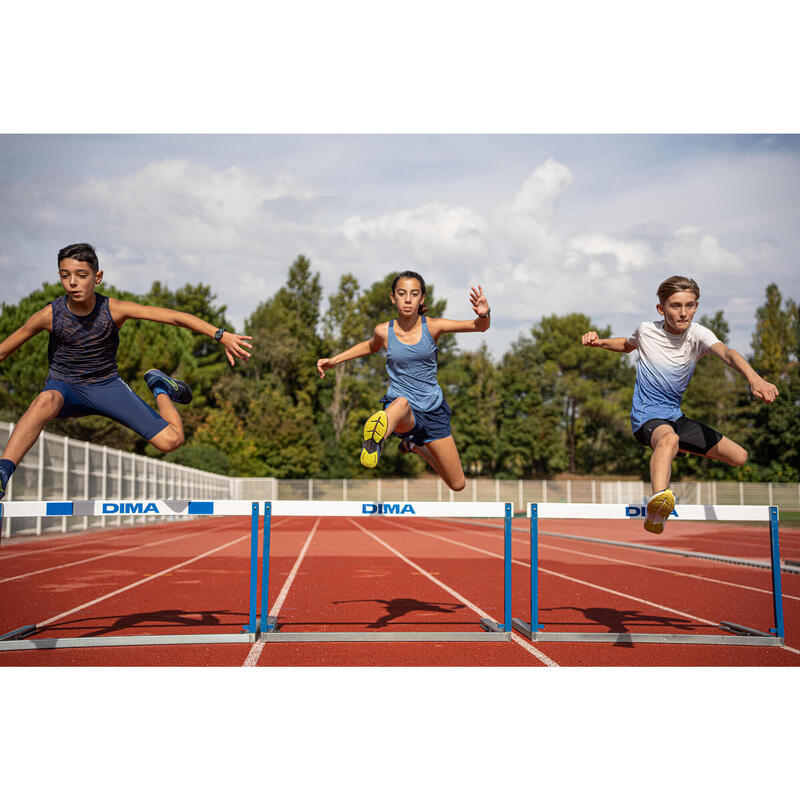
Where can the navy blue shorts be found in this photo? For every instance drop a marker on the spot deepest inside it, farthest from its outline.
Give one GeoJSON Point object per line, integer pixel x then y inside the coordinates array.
{"type": "Point", "coordinates": [112, 398]}
{"type": "Point", "coordinates": [428, 425]}
{"type": "Point", "coordinates": [693, 437]}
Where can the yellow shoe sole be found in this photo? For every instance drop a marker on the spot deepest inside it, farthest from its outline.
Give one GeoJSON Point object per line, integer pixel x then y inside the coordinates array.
{"type": "Point", "coordinates": [374, 431]}
{"type": "Point", "coordinates": [659, 507]}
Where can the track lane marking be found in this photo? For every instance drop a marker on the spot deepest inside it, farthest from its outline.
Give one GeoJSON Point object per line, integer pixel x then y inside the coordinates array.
{"type": "Point", "coordinates": [255, 650]}
{"type": "Point", "coordinates": [140, 582]}
{"type": "Point", "coordinates": [79, 538]}
{"type": "Point", "coordinates": [114, 553]}
{"type": "Point", "coordinates": [561, 575]}
{"type": "Point", "coordinates": [632, 563]}
{"type": "Point", "coordinates": [479, 611]}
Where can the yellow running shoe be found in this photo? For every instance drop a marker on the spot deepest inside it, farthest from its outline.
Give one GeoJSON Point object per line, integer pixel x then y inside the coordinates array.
{"type": "Point", "coordinates": [374, 431]}
{"type": "Point", "coordinates": [659, 507]}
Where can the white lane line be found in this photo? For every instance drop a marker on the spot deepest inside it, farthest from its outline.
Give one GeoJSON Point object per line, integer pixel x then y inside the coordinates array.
{"type": "Point", "coordinates": [479, 611]}
{"type": "Point", "coordinates": [36, 551]}
{"type": "Point", "coordinates": [561, 575]}
{"type": "Point", "coordinates": [77, 539]}
{"type": "Point", "coordinates": [255, 650]}
{"type": "Point", "coordinates": [113, 553]}
{"type": "Point", "coordinates": [542, 545]}
{"type": "Point", "coordinates": [140, 582]}
{"type": "Point", "coordinates": [576, 580]}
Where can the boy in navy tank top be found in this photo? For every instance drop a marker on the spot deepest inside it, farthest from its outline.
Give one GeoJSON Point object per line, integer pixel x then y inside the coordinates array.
{"type": "Point", "coordinates": [83, 379]}
{"type": "Point", "coordinates": [669, 350]}
{"type": "Point", "coordinates": [414, 408]}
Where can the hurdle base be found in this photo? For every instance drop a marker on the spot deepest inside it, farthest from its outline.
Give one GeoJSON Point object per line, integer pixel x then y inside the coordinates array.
{"type": "Point", "coordinates": [126, 641]}
{"type": "Point", "coordinates": [18, 633]}
{"type": "Point", "coordinates": [735, 627]}
{"type": "Point", "coordinates": [762, 640]}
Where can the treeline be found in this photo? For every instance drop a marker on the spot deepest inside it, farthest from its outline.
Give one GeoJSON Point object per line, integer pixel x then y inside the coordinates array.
{"type": "Point", "coordinates": [548, 405]}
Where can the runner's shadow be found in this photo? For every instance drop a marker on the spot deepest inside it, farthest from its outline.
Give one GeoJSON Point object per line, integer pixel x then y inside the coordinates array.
{"type": "Point", "coordinates": [399, 606]}
{"type": "Point", "coordinates": [617, 621]}
{"type": "Point", "coordinates": [167, 617]}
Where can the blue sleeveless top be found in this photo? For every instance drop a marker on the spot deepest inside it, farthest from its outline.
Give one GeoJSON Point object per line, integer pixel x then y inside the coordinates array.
{"type": "Point", "coordinates": [83, 349]}
{"type": "Point", "coordinates": [412, 370]}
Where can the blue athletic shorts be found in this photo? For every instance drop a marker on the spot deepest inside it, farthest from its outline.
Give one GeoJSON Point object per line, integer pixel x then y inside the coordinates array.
{"type": "Point", "coordinates": [112, 398]}
{"type": "Point", "coordinates": [428, 425]}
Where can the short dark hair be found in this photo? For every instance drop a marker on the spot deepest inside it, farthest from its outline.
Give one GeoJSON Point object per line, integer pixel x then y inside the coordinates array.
{"type": "Point", "coordinates": [80, 252]}
{"type": "Point", "coordinates": [423, 309]}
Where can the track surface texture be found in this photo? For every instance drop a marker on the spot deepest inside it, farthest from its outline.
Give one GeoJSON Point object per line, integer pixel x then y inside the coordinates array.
{"type": "Point", "coordinates": [396, 574]}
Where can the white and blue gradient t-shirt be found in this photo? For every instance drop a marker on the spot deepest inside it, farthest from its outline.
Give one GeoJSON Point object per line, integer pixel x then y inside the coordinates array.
{"type": "Point", "coordinates": [666, 364]}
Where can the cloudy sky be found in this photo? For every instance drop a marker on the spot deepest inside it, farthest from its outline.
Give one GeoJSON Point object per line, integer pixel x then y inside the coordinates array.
{"type": "Point", "coordinates": [548, 224]}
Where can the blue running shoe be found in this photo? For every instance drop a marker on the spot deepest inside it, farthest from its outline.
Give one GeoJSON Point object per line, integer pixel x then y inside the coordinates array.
{"type": "Point", "coordinates": [177, 391]}
{"type": "Point", "coordinates": [3, 484]}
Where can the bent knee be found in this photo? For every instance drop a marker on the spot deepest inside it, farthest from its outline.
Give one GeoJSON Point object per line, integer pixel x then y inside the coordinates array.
{"type": "Point", "coordinates": [669, 441]}
{"type": "Point", "coordinates": [739, 458]}
{"type": "Point", "coordinates": [49, 402]}
{"type": "Point", "coordinates": [167, 440]}
{"type": "Point", "coordinates": [457, 484]}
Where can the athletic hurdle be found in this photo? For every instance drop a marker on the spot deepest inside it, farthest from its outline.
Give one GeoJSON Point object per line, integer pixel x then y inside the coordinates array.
{"type": "Point", "coordinates": [17, 639]}
{"type": "Point", "coordinates": [747, 636]}
{"type": "Point", "coordinates": [492, 630]}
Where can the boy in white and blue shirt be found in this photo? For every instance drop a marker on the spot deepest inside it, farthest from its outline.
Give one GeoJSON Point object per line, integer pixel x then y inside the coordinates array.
{"type": "Point", "coordinates": [669, 350]}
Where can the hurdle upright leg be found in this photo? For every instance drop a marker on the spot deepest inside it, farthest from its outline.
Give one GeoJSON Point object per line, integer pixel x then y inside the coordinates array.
{"type": "Point", "coordinates": [775, 557]}
{"type": "Point", "coordinates": [251, 627]}
{"type": "Point", "coordinates": [267, 624]}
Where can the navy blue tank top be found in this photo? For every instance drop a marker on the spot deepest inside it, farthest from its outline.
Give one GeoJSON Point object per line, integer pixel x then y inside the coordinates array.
{"type": "Point", "coordinates": [83, 349]}
{"type": "Point", "coordinates": [412, 370]}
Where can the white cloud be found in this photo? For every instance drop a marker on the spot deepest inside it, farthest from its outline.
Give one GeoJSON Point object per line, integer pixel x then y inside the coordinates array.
{"type": "Point", "coordinates": [544, 247]}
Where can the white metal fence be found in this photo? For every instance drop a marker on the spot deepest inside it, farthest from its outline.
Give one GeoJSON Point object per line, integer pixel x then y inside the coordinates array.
{"type": "Point", "coordinates": [57, 467]}
{"type": "Point", "coordinates": [520, 492]}
{"type": "Point", "coordinates": [61, 468]}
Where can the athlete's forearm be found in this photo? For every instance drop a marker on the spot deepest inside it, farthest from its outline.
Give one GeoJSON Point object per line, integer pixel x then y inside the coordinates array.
{"type": "Point", "coordinates": [193, 323]}
{"type": "Point", "coordinates": [735, 360]}
{"type": "Point", "coordinates": [618, 344]}
{"type": "Point", "coordinates": [364, 348]}
{"type": "Point", "coordinates": [18, 338]}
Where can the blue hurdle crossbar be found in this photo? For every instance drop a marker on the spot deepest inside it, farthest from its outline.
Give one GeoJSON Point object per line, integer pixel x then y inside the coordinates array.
{"type": "Point", "coordinates": [492, 630]}
{"type": "Point", "coordinates": [748, 636]}
{"type": "Point", "coordinates": [16, 639]}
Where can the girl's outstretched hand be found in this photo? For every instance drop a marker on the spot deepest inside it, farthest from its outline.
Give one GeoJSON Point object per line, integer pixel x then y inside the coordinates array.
{"type": "Point", "coordinates": [480, 305]}
{"type": "Point", "coordinates": [324, 364]}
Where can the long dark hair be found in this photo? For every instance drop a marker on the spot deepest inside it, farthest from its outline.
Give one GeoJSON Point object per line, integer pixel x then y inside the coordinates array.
{"type": "Point", "coordinates": [423, 308]}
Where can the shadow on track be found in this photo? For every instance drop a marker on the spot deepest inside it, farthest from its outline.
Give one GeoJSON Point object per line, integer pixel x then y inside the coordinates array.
{"type": "Point", "coordinates": [400, 606]}
{"type": "Point", "coordinates": [619, 621]}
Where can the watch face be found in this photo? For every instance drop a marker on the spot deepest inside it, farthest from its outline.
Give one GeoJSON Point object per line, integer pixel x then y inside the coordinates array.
{"type": "Point", "coordinates": [218, 334]}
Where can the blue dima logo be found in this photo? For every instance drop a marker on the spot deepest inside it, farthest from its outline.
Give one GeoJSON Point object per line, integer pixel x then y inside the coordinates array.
{"type": "Point", "coordinates": [641, 511]}
{"type": "Point", "coordinates": [130, 508]}
{"type": "Point", "coordinates": [387, 508]}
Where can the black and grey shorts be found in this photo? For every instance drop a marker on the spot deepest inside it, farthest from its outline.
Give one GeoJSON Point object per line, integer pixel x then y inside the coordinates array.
{"type": "Point", "coordinates": [694, 437]}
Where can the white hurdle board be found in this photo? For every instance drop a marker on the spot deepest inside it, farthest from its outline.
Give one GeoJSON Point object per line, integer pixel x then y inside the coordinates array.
{"type": "Point", "coordinates": [617, 511]}
{"type": "Point", "coordinates": [369, 510]}
{"type": "Point", "coordinates": [16, 639]}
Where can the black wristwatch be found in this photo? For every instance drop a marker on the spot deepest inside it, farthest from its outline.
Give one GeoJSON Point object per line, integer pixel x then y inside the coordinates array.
{"type": "Point", "coordinates": [218, 334]}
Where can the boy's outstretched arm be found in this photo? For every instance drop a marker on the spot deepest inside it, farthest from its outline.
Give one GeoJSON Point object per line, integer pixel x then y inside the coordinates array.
{"type": "Point", "coordinates": [618, 344]}
{"type": "Point", "coordinates": [233, 343]}
{"type": "Point", "coordinates": [763, 390]}
{"type": "Point", "coordinates": [36, 323]}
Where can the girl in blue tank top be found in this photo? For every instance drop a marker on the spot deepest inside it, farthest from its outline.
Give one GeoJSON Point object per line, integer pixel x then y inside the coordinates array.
{"type": "Point", "coordinates": [413, 406]}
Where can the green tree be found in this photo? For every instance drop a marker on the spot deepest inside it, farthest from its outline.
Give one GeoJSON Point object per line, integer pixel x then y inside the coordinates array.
{"type": "Point", "coordinates": [530, 439]}
{"type": "Point", "coordinates": [590, 385]}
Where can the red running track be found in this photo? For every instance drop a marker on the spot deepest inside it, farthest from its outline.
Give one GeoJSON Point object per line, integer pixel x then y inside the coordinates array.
{"type": "Point", "coordinates": [386, 574]}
